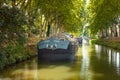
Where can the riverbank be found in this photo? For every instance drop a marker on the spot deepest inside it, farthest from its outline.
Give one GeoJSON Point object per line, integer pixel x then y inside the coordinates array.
{"type": "Point", "coordinates": [14, 54]}
{"type": "Point", "coordinates": [10, 58]}
{"type": "Point", "coordinates": [109, 42]}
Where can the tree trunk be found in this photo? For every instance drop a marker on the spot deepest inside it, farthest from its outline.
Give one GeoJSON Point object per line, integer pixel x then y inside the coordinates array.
{"type": "Point", "coordinates": [115, 31]}
{"type": "Point", "coordinates": [57, 24]}
{"type": "Point", "coordinates": [48, 30]}
{"type": "Point", "coordinates": [112, 30]}
{"type": "Point", "coordinates": [118, 30]}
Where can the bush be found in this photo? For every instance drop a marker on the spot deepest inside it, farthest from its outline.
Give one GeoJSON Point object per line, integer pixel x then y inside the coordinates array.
{"type": "Point", "coordinates": [3, 61]}
{"type": "Point", "coordinates": [12, 16]}
{"type": "Point", "coordinates": [13, 54]}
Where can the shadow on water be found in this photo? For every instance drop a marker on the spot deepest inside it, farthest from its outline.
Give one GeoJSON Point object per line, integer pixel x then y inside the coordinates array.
{"type": "Point", "coordinates": [65, 70]}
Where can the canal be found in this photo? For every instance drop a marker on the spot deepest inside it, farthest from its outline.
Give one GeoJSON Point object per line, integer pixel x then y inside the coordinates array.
{"type": "Point", "coordinates": [93, 63]}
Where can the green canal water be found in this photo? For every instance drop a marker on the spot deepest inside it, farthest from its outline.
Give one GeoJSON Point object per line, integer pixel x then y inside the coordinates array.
{"type": "Point", "coordinates": [92, 63]}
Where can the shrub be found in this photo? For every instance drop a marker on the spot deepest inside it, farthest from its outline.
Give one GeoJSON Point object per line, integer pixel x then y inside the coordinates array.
{"type": "Point", "coordinates": [13, 54]}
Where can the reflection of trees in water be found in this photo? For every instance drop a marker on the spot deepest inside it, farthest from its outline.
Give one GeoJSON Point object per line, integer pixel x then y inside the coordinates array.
{"type": "Point", "coordinates": [110, 55]}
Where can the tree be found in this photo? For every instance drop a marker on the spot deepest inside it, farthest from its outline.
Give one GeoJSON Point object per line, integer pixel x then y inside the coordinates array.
{"type": "Point", "coordinates": [103, 14]}
{"type": "Point", "coordinates": [64, 13]}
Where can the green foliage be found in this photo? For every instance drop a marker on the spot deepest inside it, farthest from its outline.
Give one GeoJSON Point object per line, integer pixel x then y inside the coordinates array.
{"type": "Point", "coordinates": [13, 54]}
{"type": "Point", "coordinates": [21, 38]}
{"type": "Point", "coordinates": [35, 31]}
{"type": "Point", "coordinates": [11, 17]}
{"type": "Point", "coordinates": [66, 12]}
{"type": "Point", "coordinates": [16, 19]}
{"type": "Point", "coordinates": [3, 61]}
{"type": "Point", "coordinates": [103, 14]}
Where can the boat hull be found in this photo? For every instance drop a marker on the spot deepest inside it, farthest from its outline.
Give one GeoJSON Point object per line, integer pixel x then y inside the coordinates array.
{"type": "Point", "coordinates": [55, 55]}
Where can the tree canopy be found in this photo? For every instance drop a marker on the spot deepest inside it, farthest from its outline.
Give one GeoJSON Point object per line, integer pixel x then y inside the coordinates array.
{"type": "Point", "coordinates": [69, 15]}
{"type": "Point", "coordinates": [66, 12]}
{"type": "Point", "coordinates": [103, 13]}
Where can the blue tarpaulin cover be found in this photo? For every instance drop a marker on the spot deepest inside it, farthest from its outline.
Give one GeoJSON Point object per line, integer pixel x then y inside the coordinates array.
{"type": "Point", "coordinates": [59, 44]}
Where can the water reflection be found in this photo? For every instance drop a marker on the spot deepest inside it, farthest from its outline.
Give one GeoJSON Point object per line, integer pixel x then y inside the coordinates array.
{"type": "Point", "coordinates": [56, 72]}
{"type": "Point", "coordinates": [23, 71]}
{"type": "Point", "coordinates": [112, 56]}
{"type": "Point", "coordinates": [84, 73]}
{"type": "Point", "coordinates": [93, 63]}
{"type": "Point", "coordinates": [43, 71]}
